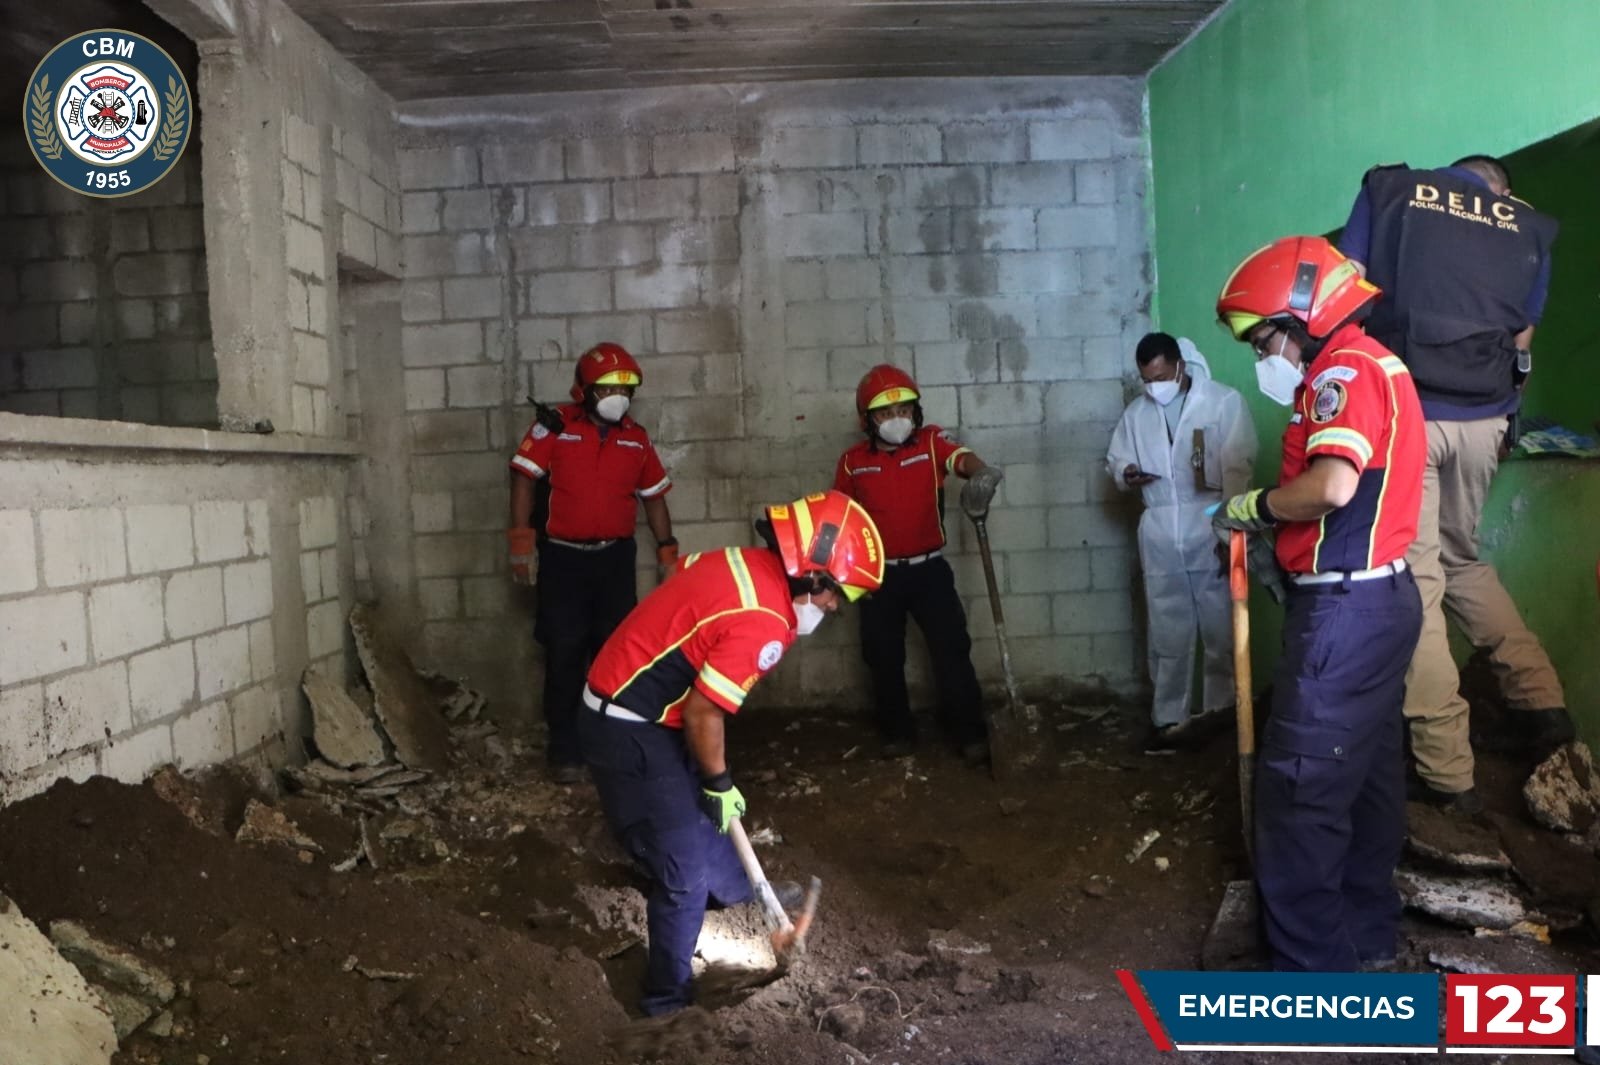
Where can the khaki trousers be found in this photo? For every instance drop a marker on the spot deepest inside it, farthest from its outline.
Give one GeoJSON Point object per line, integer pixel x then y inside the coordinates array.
{"type": "Point", "coordinates": [1462, 458]}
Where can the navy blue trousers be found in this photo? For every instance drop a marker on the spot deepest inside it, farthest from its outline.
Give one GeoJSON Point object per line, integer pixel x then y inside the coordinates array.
{"type": "Point", "coordinates": [925, 592]}
{"type": "Point", "coordinates": [1330, 780]}
{"type": "Point", "coordinates": [583, 597]}
{"type": "Point", "coordinates": [650, 792]}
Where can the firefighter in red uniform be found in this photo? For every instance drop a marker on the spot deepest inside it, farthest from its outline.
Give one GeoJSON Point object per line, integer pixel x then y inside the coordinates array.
{"type": "Point", "coordinates": [898, 474]}
{"type": "Point", "coordinates": [600, 466]}
{"type": "Point", "coordinates": [661, 691]}
{"type": "Point", "coordinates": [1330, 786]}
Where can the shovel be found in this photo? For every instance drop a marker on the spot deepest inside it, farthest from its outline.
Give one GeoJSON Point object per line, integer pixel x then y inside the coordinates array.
{"type": "Point", "coordinates": [1244, 707]}
{"type": "Point", "coordinates": [1013, 735]}
{"type": "Point", "coordinates": [788, 936]}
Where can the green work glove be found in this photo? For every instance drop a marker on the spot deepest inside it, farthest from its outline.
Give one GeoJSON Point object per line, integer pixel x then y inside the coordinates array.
{"type": "Point", "coordinates": [1247, 511]}
{"type": "Point", "coordinates": [721, 801]}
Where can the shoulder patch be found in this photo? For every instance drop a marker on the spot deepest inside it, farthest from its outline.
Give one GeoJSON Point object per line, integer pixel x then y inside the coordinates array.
{"type": "Point", "coordinates": [769, 655]}
{"type": "Point", "coordinates": [1334, 373]}
{"type": "Point", "coordinates": [948, 437]}
{"type": "Point", "coordinates": [1295, 419]}
{"type": "Point", "coordinates": [539, 431]}
{"type": "Point", "coordinates": [1328, 403]}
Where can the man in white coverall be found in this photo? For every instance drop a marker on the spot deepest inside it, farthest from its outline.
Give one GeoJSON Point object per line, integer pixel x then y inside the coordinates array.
{"type": "Point", "coordinates": [1187, 443]}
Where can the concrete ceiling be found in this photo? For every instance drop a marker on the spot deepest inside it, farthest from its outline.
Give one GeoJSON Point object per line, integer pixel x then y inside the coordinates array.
{"type": "Point", "coordinates": [419, 49]}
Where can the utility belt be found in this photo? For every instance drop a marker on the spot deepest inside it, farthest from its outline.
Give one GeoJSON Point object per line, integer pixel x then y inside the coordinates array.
{"type": "Point", "coordinates": [601, 705]}
{"type": "Point", "coordinates": [583, 545]}
{"type": "Point", "coordinates": [1388, 569]}
{"type": "Point", "coordinates": [913, 560]}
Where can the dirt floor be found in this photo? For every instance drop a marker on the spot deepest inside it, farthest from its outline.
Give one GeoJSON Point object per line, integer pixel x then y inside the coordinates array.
{"type": "Point", "coordinates": [962, 921]}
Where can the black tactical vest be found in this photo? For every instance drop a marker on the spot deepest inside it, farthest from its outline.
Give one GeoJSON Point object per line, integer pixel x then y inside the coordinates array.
{"type": "Point", "coordinates": [1456, 264]}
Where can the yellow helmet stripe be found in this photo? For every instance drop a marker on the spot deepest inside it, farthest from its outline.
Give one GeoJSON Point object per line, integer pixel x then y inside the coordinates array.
{"type": "Point", "coordinates": [890, 396]}
{"type": "Point", "coordinates": [618, 377]}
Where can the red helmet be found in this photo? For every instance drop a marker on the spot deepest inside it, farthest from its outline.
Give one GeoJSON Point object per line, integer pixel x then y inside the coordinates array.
{"type": "Point", "coordinates": [605, 364]}
{"type": "Point", "coordinates": [884, 386]}
{"type": "Point", "coordinates": [829, 534]}
{"type": "Point", "coordinates": [1297, 277]}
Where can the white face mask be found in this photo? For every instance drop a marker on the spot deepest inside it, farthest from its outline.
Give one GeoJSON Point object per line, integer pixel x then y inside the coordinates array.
{"type": "Point", "coordinates": [612, 408]}
{"type": "Point", "coordinates": [807, 617]}
{"type": "Point", "coordinates": [1163, 392]}
{"type": "Point", "coordinates": [896, 431]}
{"type": "Point", "coordinates": [1277, 377]}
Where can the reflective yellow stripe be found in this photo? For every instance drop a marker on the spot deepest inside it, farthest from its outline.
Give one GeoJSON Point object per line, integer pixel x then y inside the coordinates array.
{"type": "Point", "coordinates": [1341, 436]}
{"type": "Point", "coordinates": [1392, 365]}
{"type": "Point", "coordinates": [802, 519]}
{"type": "Point", "coordinates": [680, 641]}
{"type": "Point", "coordinates": [955, 457]}
{"type": "Point", "coordinates": [721, 685]}
{"type": "Point", "coordinates": [741, 578]}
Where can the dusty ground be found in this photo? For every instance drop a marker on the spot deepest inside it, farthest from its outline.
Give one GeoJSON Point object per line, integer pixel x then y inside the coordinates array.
{"type": "Point", "coordinates": [962, 921]}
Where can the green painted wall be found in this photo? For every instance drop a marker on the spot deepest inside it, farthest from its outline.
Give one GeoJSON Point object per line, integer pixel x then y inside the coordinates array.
{"type": "Point", "coordinates": [1262, 125]}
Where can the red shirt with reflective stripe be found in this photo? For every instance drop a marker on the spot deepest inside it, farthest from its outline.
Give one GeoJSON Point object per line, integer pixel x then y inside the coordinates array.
{"type": "Point", "coordinates": [1357, 403]}
{"type": "Point", "coordinates": [596, 477]}
{"type": "Point", "coordinates": [717, 625]}
{"type": "Point", "coordinates": [903, 487]}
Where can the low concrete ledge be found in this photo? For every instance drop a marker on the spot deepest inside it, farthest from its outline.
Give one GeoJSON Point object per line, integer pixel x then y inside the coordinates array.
{"type": "Point", "coordinates": [36, 432]}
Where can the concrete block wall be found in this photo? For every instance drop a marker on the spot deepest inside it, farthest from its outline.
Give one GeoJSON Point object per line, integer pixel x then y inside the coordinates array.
{"type": "Point", "coordinates": [105, 299]}
{"type": "Point", "coordinates": [759, 248]}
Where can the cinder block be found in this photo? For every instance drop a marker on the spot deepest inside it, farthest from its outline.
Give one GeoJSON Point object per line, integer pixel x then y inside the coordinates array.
{"type": "Point", "coordinates": [263, 651]}
{"type": "Point", "coordinates": [1040, 359]}
{"type": "Point", "coordinates": [310, 360]}
{"type": "Point", "coordinates": [311, 578]}
{"type": "Point", "coordinates": [473, 297]}
{"type": "Point", "coordinates": [1044, 184]}
{"type": "Point", "coordinates": [1095, 183]}
{"type": "Point", "coordinates": [945, 186]}
{"type": "Point", "coordinates": [219, 530]}
{"type": "Point", "coordinates": [194, 602]}
{"type": "Point", "coordinates": [424, 389]}
{"type": "Point", "coordinates": [1112, 568]}
{"type": "Point", "coordinates": [1026, 615]}
{"type": "Point", "coordinates": [481, 510]}
{"type": "Point", "coordinates": [569, 292]}
{"type": "Point", "coordinates": [82, 708]}
{"type": "Point", "coordinates": [19, 566]}
{"type": "Point", "coordinates": [653, 198]}
{"type": "Point", "coordinates": [1079, 401]}
{"type": "Point", "coordinates": [133, 758]}
{"type": "Point", "coordinates": [799, 192]}
{"type": "Point", "coordinates": [956, 363]}
{"type": "Point", "coordinates": [522, 161]}
{"type": "Point", "coordinates": [541, 248]}
{"type": "Point", "coordinates": [223, 661]}
{"type": "Point", "coordinates": [420, 212]}
{"type": "Point", "coordinates": [22, 738]}
{"type": "Point", "coordinates": [1034, 572]}
{"type": "Point", "coordinates": [1077, 227]}
{"type": "Point", "coordinates": [609, 246]}
{"type": "Point", "coordinates": [439, 597]}
{"type": "Point", "coordinates": [914, 321]}
{"type": "Point", "coordinates": [802, 281]}
{"type": "Point", "coordinates": [1073, 138]}
{"type": "Point", "coordinates": [995, 319]}
{"type": "Point", "coordinates": [82, 546]}
{"type": "Point", "coordinates": [1104, 359]}
{"type": "Point", "coordinates": [325, 629]}
{"type": "Point", "coordinates": [136, 319]}
{"type": "Point", "coordinates": [441, 345]}
{"type": "Point", "coordinates": [319, 522]}
{"type": "Point", "coordinates": [550, 205]}
{"type": "Point", "coordinates": [303, 247]}
{"type": "Point", "coordinates": [1098, 314]}
{"type": "Point", "coordinates": [437, 168]}
{"type": "Point", "coordinates": [1091, 613]}
{"type": "Point", "coordinates": [59, 368]}
{"type": "Point", "coordinates": [161, 682]}
{"type": "Point", "coordinates": [606, 157]}
{"type": "Point", "coordinates": [458, 471]}
{"type": "Point", "coordinates": [1038, 271]}
{"type": "Point", "coordinates": [458, 554]}
{"type": "Point", "coordinates": [796, 148]}
{"type": "Point", "coordinates": [456, 430]}
{"type": "Point", "coordinates": [908, 232]}
{"type": "Point", "coordinates": [130, 230]}
{"type": "Point", "coordinates": [303, 142]}
{"type": "Point", "coordinates": [125, 617]}
{"type": "Point", "coordinates": [661, 286]}
{"type": "Point", "coordinates": [846, 367]}
{"type": "Point", "coordinates": [698, 241]}
{"type": "Point", "coordinates": [985, 142]}
{"type": "Point", "coordinates": [1092, 525]}
{"type": "Point", "coordinates": [1004, 404]}
{"type": "Point", "coordinates": [909, 143]}
{"type": "Point", "coordinates": [247, 591]}
{"type": "Point", "coordinates": [445, 254]}
{"type": "Point", "coordinates": [811, 235]}
{"type": "Point", "coordinates": [993, 229]}
{"type": "Point", "coordinates": [700, 418]}
{"type": "Point", "coordinates": [204, 737]}
{"type": "Point", "coordinates": [177, 229]}
{"type": "Point", "coordinates": [710, 330]}
{"type": "Point", "coordinates": [467, 209]}
{"type": "Point", "coordinates": [255, 712]}
{"type": "Point", "coordinates": [67, 280]}
{"type": "Point", "coordinates": [816, 325]}
{"type": "Point", "coordinates": [358, 239]}
{"type": "Point", "coordinates": [718, 195]}
{"type": "Point", "coordinates": [421, 301]}
{"type": "Point", "coordinates": [693, 153]}
{"type": "Point", "coordinates": [635, 332]}
{"type": "Point", "coordinates": [432, 512]}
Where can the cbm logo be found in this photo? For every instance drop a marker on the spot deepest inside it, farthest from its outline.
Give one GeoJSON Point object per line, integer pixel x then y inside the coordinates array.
{"type": "Point", "coordinates": [107, 113]}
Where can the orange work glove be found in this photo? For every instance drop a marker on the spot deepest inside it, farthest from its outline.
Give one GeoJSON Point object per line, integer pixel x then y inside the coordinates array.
{"type": "Point", "coordinates": [667, 554]}
{"type": "Point", "coordinates": [523, 550]}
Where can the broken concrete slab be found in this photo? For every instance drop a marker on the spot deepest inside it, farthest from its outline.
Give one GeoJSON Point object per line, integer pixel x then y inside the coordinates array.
{"type": "Point", "coordinates": [1453, 841]}
{"type": "Point", "coordinates": [1473, 902]}
{"type": "Point", "coordinates": [408, 711]}
{"type": "Point", "coordinates": [346, 735]}
{"type": "Point", "coordinates": [131, 989]}
{"type": "Point", "coordinates": [1492, 954]}
{"type": "Point", "coordinates": [49, 1015]}
{"type": "Point", "coordinates": [263, 824]}
{"type": "Point", "coordinates": [1232, 942]}
{"type": "Point", "coordinates": [1563, 793]}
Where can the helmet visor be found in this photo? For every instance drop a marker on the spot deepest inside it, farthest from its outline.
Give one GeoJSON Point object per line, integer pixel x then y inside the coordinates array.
{"type": "Point", "coordinates": [891, 396]}
{"type": "Point", "coordinates": [852, 592]}
{"type": "Point", "coordinates": [618, 377]}
{"type": "Point", "coordinates": [1239, 323]}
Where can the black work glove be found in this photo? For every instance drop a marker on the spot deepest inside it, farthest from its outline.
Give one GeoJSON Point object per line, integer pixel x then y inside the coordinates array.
{"type": "Point", "coordinates": [1261, 559]}
{"type": "Point", "coordinates": [978, 492]}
